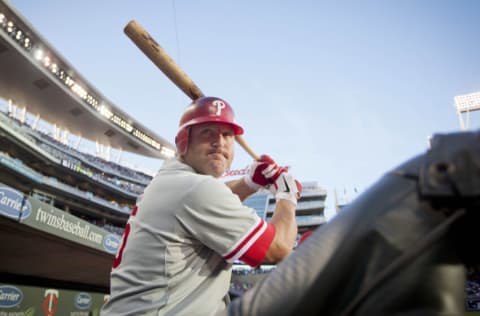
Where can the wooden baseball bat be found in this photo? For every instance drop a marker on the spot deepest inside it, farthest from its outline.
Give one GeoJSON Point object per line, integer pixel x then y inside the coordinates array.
{"type": "Point", "coordinates": [167, 65]}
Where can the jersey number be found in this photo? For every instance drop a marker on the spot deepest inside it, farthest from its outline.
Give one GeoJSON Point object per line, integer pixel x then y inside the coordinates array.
{"type": "Point", "coordinates": [118, 256]}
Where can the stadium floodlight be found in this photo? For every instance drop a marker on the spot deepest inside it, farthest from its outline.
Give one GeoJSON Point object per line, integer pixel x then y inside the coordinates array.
{"type": "Point", "coordinates": [54, 68]}
{"type": "Point", "coordinates": [167, 152]}
{"type": "Point", "coordinates": [46, 61]}
{"type": "Point", "coordinates": [10, 27]}
{"type": "Point", "coordinates": [79, 90]}
{"type": "Point", "coordinates": [468, 102]}
{"type": "Point", "coordinates": [105, 111]}
{"type": "Point", "coordinates": [26, 42]}
{"type": "Point", "coordinates": [38, 54]}
{"type": "Point", "coordinates": [465, 104]}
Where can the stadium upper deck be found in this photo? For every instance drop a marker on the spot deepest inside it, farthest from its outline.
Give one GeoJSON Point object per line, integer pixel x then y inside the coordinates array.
{"type": "Point", "coordinates": [36, 77]}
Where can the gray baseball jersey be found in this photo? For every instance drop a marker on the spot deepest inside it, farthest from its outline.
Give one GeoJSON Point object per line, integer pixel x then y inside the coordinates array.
{"type": "Point", "coordinates": [179, 243]}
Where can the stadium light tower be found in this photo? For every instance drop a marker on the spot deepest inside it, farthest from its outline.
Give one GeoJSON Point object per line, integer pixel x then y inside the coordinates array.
{"type": "Point", "coordinates": [464, 104]}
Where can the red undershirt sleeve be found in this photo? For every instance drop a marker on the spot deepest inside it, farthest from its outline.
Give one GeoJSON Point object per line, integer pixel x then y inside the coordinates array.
{"type": "Point", "coordinates": [253, 248]}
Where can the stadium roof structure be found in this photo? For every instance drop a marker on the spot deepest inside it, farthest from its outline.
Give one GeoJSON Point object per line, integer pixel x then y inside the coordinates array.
{"type": "Point", "coordinates": [36, 77]}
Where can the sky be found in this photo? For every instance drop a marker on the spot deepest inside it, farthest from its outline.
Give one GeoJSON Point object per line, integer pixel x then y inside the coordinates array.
{"type": "Point", "coordinates": [340, 91]}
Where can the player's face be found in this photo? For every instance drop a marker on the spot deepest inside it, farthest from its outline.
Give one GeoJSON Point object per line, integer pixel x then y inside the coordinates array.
{"type": "Point", "coordinates": [210, 148]}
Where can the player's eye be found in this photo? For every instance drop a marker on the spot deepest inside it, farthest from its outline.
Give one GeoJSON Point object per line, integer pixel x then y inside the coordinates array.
{"type": "Point", "coordinates": [227, 134]}
{"type": "Point", "coordinates": [207, 132]}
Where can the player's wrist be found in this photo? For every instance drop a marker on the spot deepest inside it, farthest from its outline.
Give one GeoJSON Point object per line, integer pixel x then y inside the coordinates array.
{"type": "Point", "coordinates": [287, 197]}
{"type": "Point", "coordinates": [286, 188]}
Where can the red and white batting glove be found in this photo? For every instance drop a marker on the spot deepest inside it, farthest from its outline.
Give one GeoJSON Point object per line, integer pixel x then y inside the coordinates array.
{"type": "Point", "coordinates": [286, 187]}
{"type": "Point", "coordinates": [263, 172]}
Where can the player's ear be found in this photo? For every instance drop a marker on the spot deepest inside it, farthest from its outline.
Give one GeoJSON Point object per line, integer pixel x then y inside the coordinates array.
{"type": "Point", "coordinates": [182, 140]}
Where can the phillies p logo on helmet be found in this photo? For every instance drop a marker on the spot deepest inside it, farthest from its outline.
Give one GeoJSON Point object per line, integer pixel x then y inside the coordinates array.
{"type": "Point", "coordinates": [220, 105]}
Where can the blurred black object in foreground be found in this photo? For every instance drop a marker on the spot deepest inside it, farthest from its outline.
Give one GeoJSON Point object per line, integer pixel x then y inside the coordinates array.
{"type": "Point", "coordinates": [401, 248]}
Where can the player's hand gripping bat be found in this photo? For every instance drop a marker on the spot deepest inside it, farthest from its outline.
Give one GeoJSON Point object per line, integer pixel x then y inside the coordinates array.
{"type": "Point", "coordinates": [167, 65]}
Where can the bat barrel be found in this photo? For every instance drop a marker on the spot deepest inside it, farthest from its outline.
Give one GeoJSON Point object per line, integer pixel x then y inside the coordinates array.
{"type": "Point", "coordinates": [161, 59]}
{"type": "Point", "coordinates": [167, 65]}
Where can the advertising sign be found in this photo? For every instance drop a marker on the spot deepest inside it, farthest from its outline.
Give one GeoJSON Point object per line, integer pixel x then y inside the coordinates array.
{"type": "Point", "coordinates": [29, 211]}
{"type": "Point", "coordinates": [47, 218]}
{"type": "Point", "coordinates": [13, 204]}
{"type": "Point", "coordinates": [20, 300]}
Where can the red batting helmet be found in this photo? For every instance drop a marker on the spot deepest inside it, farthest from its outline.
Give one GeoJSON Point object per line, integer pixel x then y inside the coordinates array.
{"type": "Point", "coordinates": [202, 110]}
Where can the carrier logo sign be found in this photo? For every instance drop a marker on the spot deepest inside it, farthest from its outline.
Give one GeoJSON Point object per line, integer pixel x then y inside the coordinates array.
{"type": "Point", "coordinates": [83, 300]}
{"type": "Point", "coordinates": [111, 243]}
{"type": "Point", "coordinates": [13, 205]}
{"type": "Point", "coordinates": [10, 296]}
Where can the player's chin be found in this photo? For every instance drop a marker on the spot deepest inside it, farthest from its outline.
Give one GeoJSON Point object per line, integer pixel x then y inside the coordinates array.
{"type": "Point", "coordinates": [217, 168]}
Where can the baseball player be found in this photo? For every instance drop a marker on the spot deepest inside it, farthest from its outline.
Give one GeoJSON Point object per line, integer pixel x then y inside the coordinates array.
{"type": "Point", "coordinates": [190, 226]}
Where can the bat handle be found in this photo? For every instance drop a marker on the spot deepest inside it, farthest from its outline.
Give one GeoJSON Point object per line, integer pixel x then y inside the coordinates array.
{"type": "Point", "coordinates": [246, 147]}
